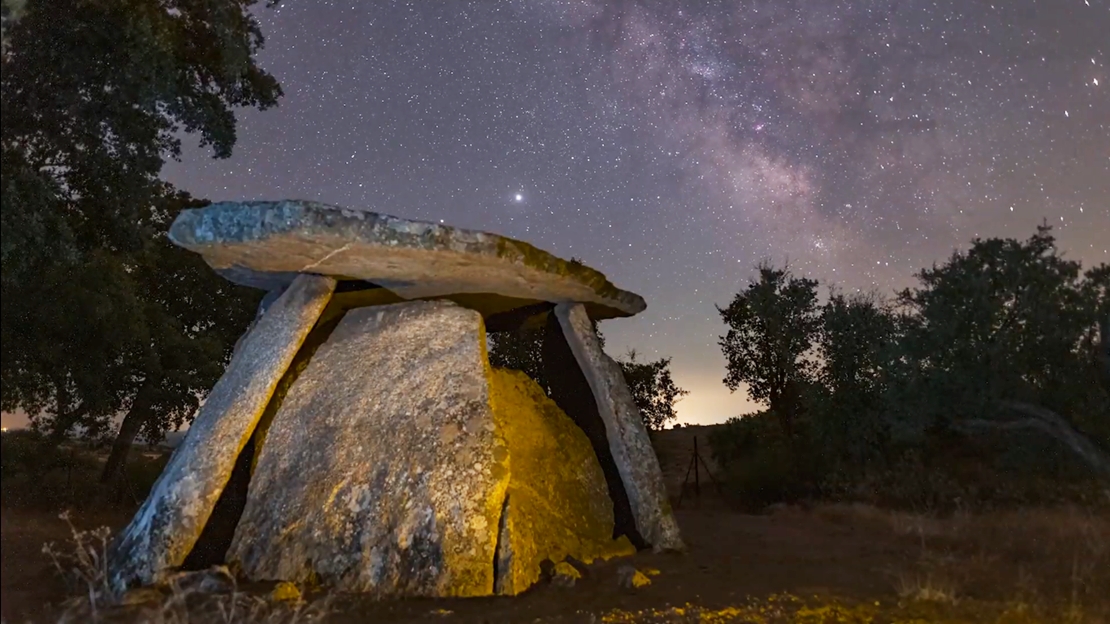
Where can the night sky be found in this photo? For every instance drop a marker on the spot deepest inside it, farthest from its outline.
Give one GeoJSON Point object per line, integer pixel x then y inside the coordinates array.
{"type": "Point", "coordinates": [673, 145]}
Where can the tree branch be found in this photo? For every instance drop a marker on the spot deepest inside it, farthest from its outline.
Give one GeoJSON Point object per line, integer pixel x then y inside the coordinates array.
{"type": "Point", "coordinates": [1047, 422]}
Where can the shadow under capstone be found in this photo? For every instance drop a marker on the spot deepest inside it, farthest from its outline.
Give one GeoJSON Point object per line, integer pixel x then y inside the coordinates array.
{"type": "Point", "coordinates": [571, 392]}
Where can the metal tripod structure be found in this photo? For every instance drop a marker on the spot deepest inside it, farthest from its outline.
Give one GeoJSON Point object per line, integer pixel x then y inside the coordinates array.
{"type": "Point", "coordinates": [696, 461]}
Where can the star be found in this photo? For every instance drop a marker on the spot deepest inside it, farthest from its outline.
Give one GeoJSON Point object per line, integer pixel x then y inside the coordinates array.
{"type": "Point", "coordinates": [676, 144]}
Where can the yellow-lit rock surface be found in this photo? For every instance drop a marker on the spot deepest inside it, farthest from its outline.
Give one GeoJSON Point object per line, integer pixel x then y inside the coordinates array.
{"type": "Point", "coordinates": [557, 503]}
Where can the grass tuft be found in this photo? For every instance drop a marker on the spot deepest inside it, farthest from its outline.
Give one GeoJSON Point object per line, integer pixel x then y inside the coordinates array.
{"type": "Point", "coordinates": [189, 598]}
{"type": "Point", "coordinates": [927, 589]}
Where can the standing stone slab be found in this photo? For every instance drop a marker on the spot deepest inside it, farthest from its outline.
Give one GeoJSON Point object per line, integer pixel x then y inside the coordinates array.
{"type": "Point", "coordinates": [267, 300]}
{"type": "Point", "coordinates": [383, 471]}
{"type": "Point", "coordinates": [171, 519]}
{"type": "Point", "coordinates": [628, 439]}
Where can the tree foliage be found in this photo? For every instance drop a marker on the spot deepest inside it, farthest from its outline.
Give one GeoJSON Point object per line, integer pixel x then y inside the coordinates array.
{"type": "Point", "coordinates": [1006, 320]}
{"type": "Point", "coordinates": [856, 345]}
{"type": "Point", "coordinates": [1007, 338]}
{"type": "Point", "coordinates": [100, 313]}
{"type": "Point", "coordinates": [771, 328]}
{"type": "Point", "coordinates": [653, 390]}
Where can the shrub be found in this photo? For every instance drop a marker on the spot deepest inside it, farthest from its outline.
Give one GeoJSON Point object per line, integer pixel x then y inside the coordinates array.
{"type": "Point", "coordinates": [39, 472]}
{"type": "Point", "coordinates": [761, 466]}
{"type": "Point", "coordinates": [942, 473]}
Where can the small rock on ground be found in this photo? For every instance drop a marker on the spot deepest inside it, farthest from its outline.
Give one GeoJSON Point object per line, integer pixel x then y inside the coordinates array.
{"type": "Point", "coordinates": [565, 575]}
{"type": "Point", "coordinates": [141, 596]}
{"type": "Point", "coordinates": [214, 580]}
{"type": "Point", "coordinates": [285, 592]}
{"type": "Point", "coordinates": [631, 578]}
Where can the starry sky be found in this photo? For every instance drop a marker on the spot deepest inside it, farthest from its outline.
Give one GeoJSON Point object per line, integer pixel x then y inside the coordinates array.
{"type": "Point", "coordinates": [673, 145]}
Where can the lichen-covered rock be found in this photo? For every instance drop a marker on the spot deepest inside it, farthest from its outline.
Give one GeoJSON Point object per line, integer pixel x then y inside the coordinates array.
{"type": "Point", "coordinates": [557, 504]}
{"type": "Point", "coordinates": [286, 592]}
{"type": "Point", "coordinates": [264, 244]}
{"type": "Point", "coordinates": [565, 575]}
{"type": "Point", "coordinates": [382, 471]}
{"type": "Point", "coordinates": [171, 519]}
{"type": "Point", "coordinates": [400, 464]}
{"type": "Point", "coordinates": [628, 439]}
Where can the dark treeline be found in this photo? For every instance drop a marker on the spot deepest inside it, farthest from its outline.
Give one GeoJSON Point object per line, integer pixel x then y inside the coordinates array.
{"type": "Point", "coordinates": [987, 382]}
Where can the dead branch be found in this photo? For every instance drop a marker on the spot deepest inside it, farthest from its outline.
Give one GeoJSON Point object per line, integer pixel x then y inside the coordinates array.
{"type": "Point", "coordinates": [1048, 422]}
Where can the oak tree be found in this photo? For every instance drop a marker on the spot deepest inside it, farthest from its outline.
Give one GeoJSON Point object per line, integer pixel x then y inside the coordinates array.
{"type": "Point", "coordinates": [100, 314]}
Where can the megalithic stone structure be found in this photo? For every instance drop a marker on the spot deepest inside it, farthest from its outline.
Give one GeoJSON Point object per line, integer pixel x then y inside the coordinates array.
{"type": "Point", "coordinates": [375, 449]}
{"type": "Point", "coordinates": [405, 484]}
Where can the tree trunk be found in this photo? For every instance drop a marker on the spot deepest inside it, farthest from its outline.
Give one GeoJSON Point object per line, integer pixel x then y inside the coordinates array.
{"type": "Point", "coordinates": [1104, 349]}
{"type": "Point", "coordinates": [778, 408]}
{"type": "Point", "coordinates": [129, 429]}
{"type": "Point", "coordinates": [786, 404]}
{"type": "Point", "coordinates": [63, 420]}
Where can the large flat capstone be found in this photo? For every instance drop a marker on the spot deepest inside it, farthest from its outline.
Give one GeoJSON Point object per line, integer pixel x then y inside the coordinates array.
{"type": "Point", "coordinates": [400, 464]}
{"type": "Point", "coordinates": [627, 437]}
{"type": "Point", "coordinates": [166, 527]}
{"type": "Point", "coordinates": [265, 243]}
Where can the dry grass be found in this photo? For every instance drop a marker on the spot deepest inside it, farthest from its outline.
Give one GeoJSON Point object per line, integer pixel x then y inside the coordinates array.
{"type": "Point", "coordinates": [1049, 560]}
{"type": "Point", "coordinates": [926, 589]}
{"type": "Point", "coordinates": [206, 597]}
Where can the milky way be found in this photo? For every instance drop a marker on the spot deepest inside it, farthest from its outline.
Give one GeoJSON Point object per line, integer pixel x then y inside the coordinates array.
{"type": "Point", "coordinates": [673, 145]}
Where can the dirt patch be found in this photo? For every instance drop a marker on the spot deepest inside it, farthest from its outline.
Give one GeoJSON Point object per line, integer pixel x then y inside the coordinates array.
{"type": "Point", "coordinates": [832, 563]}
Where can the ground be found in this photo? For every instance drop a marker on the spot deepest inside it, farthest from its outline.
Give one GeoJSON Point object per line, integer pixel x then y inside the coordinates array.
{"type": "Point", "coordinates": [822, 563]}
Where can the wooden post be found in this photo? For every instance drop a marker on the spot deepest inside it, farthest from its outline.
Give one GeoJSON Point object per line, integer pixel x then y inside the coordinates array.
{"type": "Point", "coordinates": [697, 473]}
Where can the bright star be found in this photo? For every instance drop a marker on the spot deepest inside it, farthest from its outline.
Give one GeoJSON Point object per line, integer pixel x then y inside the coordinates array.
{"type": "Point", "coordinates": [518, 197]}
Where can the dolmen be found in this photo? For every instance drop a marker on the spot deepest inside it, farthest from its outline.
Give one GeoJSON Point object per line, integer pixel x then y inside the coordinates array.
{"type": "Point", "coordinates": [360, 440]}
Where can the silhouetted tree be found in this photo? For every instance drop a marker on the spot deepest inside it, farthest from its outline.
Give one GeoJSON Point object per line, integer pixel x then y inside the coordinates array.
{"type": "Point", "coordinates": [772, 325]}
{"type": "Point", "coordinates": [1006, 337]}
{"type": "Point", "coordinates": [1003, 336]}
{"type": "Point", "coordinates": [192, 320]}
{"type": "Point", "coordinates": [857, 342]}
